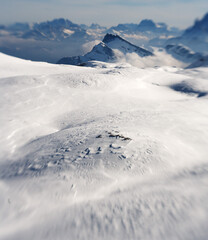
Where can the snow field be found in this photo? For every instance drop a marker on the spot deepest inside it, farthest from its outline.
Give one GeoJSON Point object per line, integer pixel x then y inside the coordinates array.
{"type": "Point", "coordinates": [112, 152]}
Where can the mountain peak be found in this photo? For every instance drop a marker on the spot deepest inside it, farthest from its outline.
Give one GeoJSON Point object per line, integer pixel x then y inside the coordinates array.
{"type": "Point", "coordinates": [110, 37]}
{"type": "Point", "coordinates": [57, 23]}
{"type": "Point", "coordinates": [95, 26]}
{"type": "Point", "coordinates": [116, 42]}
{"type": "Point", "coordinates": [199, 25]}
{"type": "Point", "coordinates": [147, 23]}
{"type": "Point", "coordinates": [205, 18]}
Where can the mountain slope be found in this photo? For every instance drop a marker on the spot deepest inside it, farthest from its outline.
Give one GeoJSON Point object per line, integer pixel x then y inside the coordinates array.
{"type": "Point", "coordinates": [100, 52]}
{"type": "Point", "coordinates": [195, 37]}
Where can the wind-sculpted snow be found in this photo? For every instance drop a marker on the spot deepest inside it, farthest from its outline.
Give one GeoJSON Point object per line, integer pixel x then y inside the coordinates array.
{"type": "Point", "coordinates": [109, 152]}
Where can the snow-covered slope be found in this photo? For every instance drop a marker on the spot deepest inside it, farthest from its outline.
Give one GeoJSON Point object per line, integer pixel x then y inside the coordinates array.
{"type": "Point", "coordinates": [112, 152]}
{"type": "Point", "coordinates": [116, 42]}
{"type": "Point", "coordinates": [100, 52]}
{"type": "Point", "coordinates": [183, 53]}
{"type": "Point", "coordinates": [202, 62]}
{"type": "Point", "coordinates": [110, 49]}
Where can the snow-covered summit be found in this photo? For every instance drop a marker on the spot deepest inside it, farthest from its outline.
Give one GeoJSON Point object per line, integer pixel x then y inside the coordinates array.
{"type": "Point", "coordinates": [105, 51]}
{"type": "Point", "coordinates": [116, 42]}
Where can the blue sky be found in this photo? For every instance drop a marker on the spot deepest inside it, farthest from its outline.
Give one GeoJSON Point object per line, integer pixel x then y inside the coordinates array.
{"type": "Point", "coordinates": [180, 13]}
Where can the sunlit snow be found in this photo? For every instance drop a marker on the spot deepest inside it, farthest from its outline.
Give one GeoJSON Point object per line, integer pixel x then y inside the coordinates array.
{"type": "Point", "coordinates": [110, 152]}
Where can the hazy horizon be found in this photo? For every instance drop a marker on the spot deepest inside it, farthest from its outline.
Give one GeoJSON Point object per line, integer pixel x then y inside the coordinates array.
{"type": "Point", "coordinates": [104, 12]}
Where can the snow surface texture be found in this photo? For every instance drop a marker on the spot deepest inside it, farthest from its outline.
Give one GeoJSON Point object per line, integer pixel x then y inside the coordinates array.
{"type": "Point", "coordinates": [111, 152]}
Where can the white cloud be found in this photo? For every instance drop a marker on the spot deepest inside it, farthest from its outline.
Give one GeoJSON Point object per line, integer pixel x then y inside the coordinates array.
{"type": "Point", "coordinates": [160, 58]}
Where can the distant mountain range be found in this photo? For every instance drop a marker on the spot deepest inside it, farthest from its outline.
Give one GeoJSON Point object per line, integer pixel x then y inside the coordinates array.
{"type": "Point", "coordinates": [62, 29]}
{"type": "Point", "coordinates": [56, 30]}
{"type": "Point", "coordinates": [52, 40]}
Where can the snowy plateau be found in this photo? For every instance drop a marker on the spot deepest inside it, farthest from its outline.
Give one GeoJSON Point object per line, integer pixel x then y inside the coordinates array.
{"type": "Point", "coordinates": [112, 151]}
